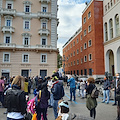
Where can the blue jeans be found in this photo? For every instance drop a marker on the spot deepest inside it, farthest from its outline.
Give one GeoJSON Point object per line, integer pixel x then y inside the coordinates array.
{"type": "Point", "coordinates": [106, 94]}
{"type": "Point", "coordinates": [82, 93]}
{"type": "Point", "coordinates": [55, 105]}
{"type": "Point", "coordinates": [14, 119]}
{"type": "Point", "coordinates": [72, 91]}
{"type": "Point", "coordinates": [51, 100]}
{"type": "Point", "coordinates": [1, 97]}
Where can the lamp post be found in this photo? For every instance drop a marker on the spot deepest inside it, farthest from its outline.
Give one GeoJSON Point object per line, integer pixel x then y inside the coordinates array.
{"type": "Point", "coordinates": [64, 64]}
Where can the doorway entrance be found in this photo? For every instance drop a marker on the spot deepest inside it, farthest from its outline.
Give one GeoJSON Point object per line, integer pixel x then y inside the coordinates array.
{"type": "Point", "coordinates": [43, 73]}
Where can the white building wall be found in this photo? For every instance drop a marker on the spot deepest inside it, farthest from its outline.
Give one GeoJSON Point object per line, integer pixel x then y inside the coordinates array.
{"type": "Point", "coordinates": [113, 44]}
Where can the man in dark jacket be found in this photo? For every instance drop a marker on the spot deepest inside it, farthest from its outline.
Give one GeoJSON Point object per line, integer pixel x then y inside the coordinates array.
{"type": "Point", "coordinates": [115, 83]}
{"type": "Point", "coordinates": [58, 92]}
{"type": "Point", "coordinates": [106, 91]}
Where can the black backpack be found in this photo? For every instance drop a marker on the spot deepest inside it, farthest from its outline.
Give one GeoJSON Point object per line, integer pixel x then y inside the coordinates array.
{"type": "Point", "coordinates": [95, 93]}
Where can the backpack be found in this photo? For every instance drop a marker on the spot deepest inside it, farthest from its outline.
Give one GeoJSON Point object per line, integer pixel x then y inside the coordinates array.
{"type": "Point", "coordinates": [95, 93]}
{"type": "Point", "coordinates": [61, 92]}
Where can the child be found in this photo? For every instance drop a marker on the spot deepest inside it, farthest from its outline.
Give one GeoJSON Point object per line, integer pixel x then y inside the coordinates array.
{"type": "Point", "coordinates": [64, 109]}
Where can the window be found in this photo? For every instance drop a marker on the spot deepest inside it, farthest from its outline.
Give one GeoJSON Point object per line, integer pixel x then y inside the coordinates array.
{"type": "Point", "coordinates": [74, 43]}
{"type": "Point", "coordinates": [117, 24]}
{"type": "Point", "coordinates": [8, 23]}
{"type": "Point", "coordinates": [81, 60]}
{"type": "Point", "coordinates": [84, 32]}
{"type": "Point", "coordinates": [77, 72]}
{"type": "Point", "coordinates": [6, 57]}
{"type": "Point", "coordinates": [90, 43]}
{"type": "Point", "coordinates": [27, 8]}
{"type": "Point", "coordinates": [9, 6]}
{"type": "Point", "coordinates": [74, 53]}
{"type": "Point", "coordinates": [90, 71]}
{"type": "Point", "coordinates": [71, 45]}
{"type": "Point", "coordinates": [74, 62]}
{"type": "Point", "coordinates": [89, 15]}
{"type": "Point", "coordinates": [85, 58]}
{"type": "Point", "coordinates": [43, 41]}
{"type": "Point", "coordinates": [81, 49]}
{"type": "Point", "coordinates": [26, 41]}
{"type": "Point", "coordinates": [85, 71]}
{"type": "Point", "coordinates": [106, 8]}
{"type": "Point", "coordinates": [84, 19]}
{"type": "Point", "coordinates": [111, 28]}
{"type": "Point", "coordinates": [7, 38]}
{"type": "Point", "coordinates": [27, 25]}
{"type": "Point", "coordinates": [44, 9]}
{"type": "Point", "coordinates": [90, 57]}
{"type": "Point", "coordinates": [89, 28]}
{"type": "Point", "coordinates": [81, 37]}
{"type": "Point", "coordinates": [77, 51]}
{"type": "Point", "coordinates": [25, 58]}
{"type": "Point", "coordinates": [71, 63]}
{"type": "Point", "coordinates": [71, 54]}
{"type": "Point", "coordinates": [106, 32]}
{"type": "Point", "coordinates": [44, 25]}
{"type": "Point", "coordinates": [111, 1]}
{"type": "Point", "coordinates": [77, 40]}
{"type": "Point", "coordinates": [77, 62]}
{"type": "Point", "coordinates": [44, 58]}
{"type": "Point", "coordinates": [85, 45]}
{"type": "Point", "coordinates": [81, 72]}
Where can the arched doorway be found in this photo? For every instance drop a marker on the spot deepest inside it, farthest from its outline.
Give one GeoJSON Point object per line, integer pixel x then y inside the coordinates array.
{"type": "Point", "coordinates": [118, 60]}
{"type": "Point", "coordinates": [110, 63]}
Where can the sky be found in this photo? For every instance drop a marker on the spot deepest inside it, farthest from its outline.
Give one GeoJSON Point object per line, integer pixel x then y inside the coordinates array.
{"type": "Point", "coordinates": [70, 19]}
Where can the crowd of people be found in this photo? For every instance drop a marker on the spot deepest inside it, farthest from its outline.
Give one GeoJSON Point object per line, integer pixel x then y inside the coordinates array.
{"type": "Point", "coordinates": [49, 92]}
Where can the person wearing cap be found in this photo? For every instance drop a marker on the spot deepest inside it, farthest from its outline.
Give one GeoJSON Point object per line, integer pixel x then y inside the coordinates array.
{"type": "Point", "coordinates": [58, 92]}
{"type": "Point", "coordinates": [71, 80]}
{"type": "Point", "coordinates": [64, 110]}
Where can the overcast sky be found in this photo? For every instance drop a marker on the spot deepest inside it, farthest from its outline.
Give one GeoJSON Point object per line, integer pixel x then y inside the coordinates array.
{"type": "Point", "coordinates": [70, 19]}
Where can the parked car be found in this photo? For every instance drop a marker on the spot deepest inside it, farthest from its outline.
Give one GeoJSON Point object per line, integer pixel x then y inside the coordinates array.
{"type": "Point", "coordinates": [99, 80]}
{"type": "Point", "coordinates": [83, 78]}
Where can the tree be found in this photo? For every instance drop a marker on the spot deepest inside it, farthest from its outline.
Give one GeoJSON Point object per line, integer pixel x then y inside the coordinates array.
{"type": "Point", "coordinates": [59, 61]}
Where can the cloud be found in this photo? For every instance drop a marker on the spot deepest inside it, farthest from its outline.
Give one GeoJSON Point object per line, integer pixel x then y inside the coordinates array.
{"type": "Point", "coordinates": [70, 18]}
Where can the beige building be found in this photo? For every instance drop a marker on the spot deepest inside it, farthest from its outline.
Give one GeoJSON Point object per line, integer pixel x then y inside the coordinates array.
{"type": "Point", "coordinates": [28, 37]}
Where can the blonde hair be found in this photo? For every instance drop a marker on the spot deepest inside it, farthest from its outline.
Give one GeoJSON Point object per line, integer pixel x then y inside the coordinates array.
{"type": "Point", "coordinates": [19, 81]}
{"type": "Point", "coordinates": [91, 80]}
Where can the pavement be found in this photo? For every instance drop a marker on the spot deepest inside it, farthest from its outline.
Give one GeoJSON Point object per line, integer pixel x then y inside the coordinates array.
{"type": "Point", "coordinates": [103, 111]}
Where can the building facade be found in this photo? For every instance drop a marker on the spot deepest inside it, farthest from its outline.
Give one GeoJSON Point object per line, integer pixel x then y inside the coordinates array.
{"type": "Point", "coordinates": [111, 25]}
{"type": "Point", "coordinates": [28, 37]}
{"type": "Point", "coordinates": [84, 51]}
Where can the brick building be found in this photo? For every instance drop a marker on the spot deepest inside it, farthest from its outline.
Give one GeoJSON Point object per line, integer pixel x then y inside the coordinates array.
{"type": "Point", "coordinates": [84, 51]}
{"type": "Point", "coordinates": [28, 37]}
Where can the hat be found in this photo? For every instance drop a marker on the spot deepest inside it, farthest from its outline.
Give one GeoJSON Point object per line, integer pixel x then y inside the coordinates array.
{"type": "Point", "coordinates": [63, 104]}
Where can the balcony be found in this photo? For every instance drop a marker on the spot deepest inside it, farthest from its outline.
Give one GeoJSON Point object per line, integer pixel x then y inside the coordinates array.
{"type": "Point", "coordinates": [41, 15]}
{"type": "Point", "coordinates": [44, 32]}
{"type": "Point", "coordinates": [8, 29]}
{"type": "Point", "coordinates": [42, 1]}
{"type": "Point", "coordinates": [5, 11]}
{"type": "Point", "coordinates": [7, 45]}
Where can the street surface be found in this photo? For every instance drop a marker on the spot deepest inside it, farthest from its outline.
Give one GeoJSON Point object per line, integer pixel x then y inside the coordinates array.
{"type": "Point", "coordinates": [103, 111]}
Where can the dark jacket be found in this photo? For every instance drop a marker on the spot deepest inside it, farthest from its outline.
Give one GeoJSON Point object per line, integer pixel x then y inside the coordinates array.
{"type": "Point", "coordinates": [15, 100]}
{"type": "Point", "coordinates": [114, 83]}
{"type": "Point", "coordinates": [90, 88]}
{"type": "Point", "coordinates": [106, 84]}
{"type": "Point", "coordinates": [58, 90]}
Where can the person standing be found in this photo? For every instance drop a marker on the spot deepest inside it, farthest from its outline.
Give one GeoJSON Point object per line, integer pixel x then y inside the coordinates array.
{"type": "Point", "coordinates": [42, 106]}
{"type": "Point", "coordinates": [15, 100]}
{"type": "Point", "coordinates": [91, 103]}
{"type": "Point", "coordinates": [58, 92]}
{"type": "Point", "coordinates": [115, 82]}
{"type": "Point", "coordinates": [82, 87]}
{"type": "Point", "coordinates": [106, 91]}
{"type": "Point", "coordinates": [2, 90]}
{"type": "Point", "coordinates": [71, 80]}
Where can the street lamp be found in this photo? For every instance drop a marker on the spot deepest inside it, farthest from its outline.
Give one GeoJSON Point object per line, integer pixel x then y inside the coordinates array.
{"type": "Point", "coordinates": [64, 65]}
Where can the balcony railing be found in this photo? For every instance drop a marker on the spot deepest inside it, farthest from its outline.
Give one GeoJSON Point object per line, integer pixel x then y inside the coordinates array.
{"type": "Point", "coordinates": [8, 29]}
{"type": "Point", "coordinates": [7, 45]}
{"type": "Point", "coordinates": [44, 32]}
{"type": "Point", "coordinates": [44, 46]}
{"type": "Point", "coordinates": [47, 1]}
{"type": "Point", "coordinates": [5, 11]}
{"type": "Point", "coordinates": [44, 15]}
